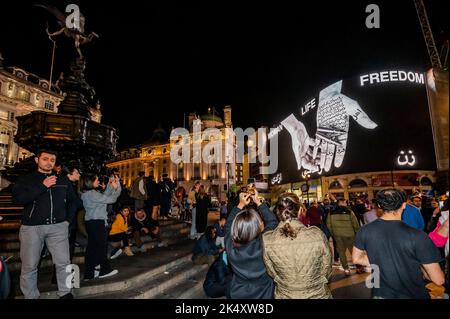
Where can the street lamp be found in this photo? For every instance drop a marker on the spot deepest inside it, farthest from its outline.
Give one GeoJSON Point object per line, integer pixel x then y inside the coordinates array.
{"type": "Point", "coordinates": [305, 187]}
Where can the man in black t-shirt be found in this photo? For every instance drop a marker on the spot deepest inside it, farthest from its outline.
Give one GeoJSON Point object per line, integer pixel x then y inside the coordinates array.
{"type": "Point", "coordinates": [403, 255]}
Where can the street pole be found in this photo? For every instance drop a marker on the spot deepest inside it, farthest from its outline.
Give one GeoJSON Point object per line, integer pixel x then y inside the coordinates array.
{"type": "Point", "coordinates": [228, 180]}
{"type": "Point", "coordinates": [307, 190]}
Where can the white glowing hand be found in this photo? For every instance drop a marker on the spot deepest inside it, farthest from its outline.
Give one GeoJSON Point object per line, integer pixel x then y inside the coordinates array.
{"type": "Point", "coordinates": [333, 115]}
{"type": "Point", "coordinates": [302, 144]}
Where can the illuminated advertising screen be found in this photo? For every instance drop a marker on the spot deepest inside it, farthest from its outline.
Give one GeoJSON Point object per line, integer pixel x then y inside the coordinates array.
{"type": "Point", "coordinates": [373, 122]}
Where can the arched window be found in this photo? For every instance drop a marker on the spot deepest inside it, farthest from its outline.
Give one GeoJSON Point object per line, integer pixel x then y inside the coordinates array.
{"type": "Point", "coordinates": [357, 183]}
{"type": "Point", "coordinates": [335, 185]}
{"type": "Point", "coordinates": [425, 181]}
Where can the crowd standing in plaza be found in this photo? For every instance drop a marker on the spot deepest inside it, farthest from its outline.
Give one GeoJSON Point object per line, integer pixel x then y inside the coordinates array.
{"type": "Point", "coordinates": [254, 251]}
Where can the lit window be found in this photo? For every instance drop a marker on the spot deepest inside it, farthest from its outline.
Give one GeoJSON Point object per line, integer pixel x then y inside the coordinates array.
{"type": "Point", "coordinates": [49, 105]}
{"type": "Point", "coordinates": [24, 95]}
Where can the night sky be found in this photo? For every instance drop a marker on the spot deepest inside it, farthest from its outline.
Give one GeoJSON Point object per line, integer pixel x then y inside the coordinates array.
{"type": "Point", "coordinates": [154, 62]}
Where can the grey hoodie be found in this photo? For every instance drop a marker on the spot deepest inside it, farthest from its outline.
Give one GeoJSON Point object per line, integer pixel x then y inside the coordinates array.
{"type": "Point", "coordinates": [95, 202]}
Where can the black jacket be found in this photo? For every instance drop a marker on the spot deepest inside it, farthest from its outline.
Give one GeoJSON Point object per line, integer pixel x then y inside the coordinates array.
{"type": "Point", "coordinates": [250, 278]}
{"type": "Point", "coordinates": [42, 205]}
{"type": "Point", "coordinates": [218, 279]}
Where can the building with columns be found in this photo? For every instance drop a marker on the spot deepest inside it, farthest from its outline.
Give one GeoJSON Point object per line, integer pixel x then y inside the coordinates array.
{"type": "Point", "coordinates": [21, 92]}
{"type": "Point", "coordinates": [153, 157]}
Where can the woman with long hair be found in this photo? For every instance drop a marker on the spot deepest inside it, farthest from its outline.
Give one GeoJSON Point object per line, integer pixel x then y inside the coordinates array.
{"type": "Point", "coordinates": [243, 244]}
{"type": "Point", "coordinates": [96, 216]}
{"type": "Point", "coordinates": [298, 258]}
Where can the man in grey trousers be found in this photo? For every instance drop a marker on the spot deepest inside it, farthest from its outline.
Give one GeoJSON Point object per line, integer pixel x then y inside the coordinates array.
{"type": "Point", "coordinates": [49, 202]}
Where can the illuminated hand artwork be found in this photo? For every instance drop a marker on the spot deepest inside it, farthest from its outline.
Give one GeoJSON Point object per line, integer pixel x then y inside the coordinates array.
{"type": "Point", "coordinates": [302, 144]}
{"type": "Point", "coordinates": [330, 143]}
{"type": "Point", "coordinates": [333, 115]}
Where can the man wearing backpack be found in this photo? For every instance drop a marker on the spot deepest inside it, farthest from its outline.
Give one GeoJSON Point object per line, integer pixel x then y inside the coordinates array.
{"type": "Point", "coordinates": [343, 226]}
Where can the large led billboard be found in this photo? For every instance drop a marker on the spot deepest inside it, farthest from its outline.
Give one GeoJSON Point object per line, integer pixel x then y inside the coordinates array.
{"type": "Point", "coordinates": [372, 122]}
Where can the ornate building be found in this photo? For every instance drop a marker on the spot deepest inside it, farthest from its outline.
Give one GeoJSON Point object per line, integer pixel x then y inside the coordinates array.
{"type": "Point", "coordinates": [20, 93]}
{"type": "Point", "coordinates": [153, 157]}
{"type": "Point", "coordinates": [363, 185]}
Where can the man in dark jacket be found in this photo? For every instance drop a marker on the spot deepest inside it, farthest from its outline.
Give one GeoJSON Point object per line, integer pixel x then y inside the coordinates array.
{"type": "Point", "coordinates": [49, 201]}
{"type": "Point", "coordinates": [329, 204]}
{"type": "Point", "coordinates": [343, 225]}
{"type": "Point", "coordinates": [167, 187]}
{"type": "Point", "coordinates": [154, 198]}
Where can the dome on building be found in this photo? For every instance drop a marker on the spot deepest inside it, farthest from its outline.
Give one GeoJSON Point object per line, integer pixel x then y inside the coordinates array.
{"type": "Point", "coordinates": [211, 119]}
{"type": "Point", "coordinates": [159, 136]}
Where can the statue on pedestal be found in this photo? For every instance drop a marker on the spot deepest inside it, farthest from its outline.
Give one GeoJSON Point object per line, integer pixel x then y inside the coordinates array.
{"type": "Point", "coordinates": [76, 33]}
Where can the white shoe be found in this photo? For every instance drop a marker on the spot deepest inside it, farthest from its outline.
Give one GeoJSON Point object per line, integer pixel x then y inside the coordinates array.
{"type": "Point", "coordinates": [117, 254]}
{"type": "Point", "coordinates": [161, 244]}
{"type": "Point", "coordinates": [111, 273]}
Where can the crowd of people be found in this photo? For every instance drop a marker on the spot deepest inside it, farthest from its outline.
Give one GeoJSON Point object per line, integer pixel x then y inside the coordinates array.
{"type": "Point", "coordinates": [287, 250]}
{"type": "Point", "coordinates": [65, 208]}
{"type": "Point", "coordinates": [255, 250]}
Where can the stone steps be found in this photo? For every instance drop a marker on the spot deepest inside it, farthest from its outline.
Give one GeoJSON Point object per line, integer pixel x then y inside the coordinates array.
{"type": "Point", "coordinates": [153, 286]}
{"type": "Point", "coordinates": [142, 276]}
{"type": "Point", "coordinates": [172, 232]}
{"type": "Point", "coordinates": [190, 288]}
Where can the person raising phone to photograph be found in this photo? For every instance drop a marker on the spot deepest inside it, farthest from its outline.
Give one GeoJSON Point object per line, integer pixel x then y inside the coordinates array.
{"type": "Point", "coordinates": [96, 217]}
{"type": "Point", "coordinates": [243, 244]}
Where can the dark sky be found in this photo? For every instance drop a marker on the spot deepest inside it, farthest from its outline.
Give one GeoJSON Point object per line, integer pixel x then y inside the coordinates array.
{"type": "Point", "coordinates": [154, 62]}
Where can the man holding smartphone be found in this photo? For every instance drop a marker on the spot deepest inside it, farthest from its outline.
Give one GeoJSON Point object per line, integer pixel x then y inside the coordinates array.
{"type": "Point", "coordinates": [48, 202]}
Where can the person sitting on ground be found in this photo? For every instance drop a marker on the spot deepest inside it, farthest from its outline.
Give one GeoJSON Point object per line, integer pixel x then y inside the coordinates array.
{"type": "Point", "coordinates": [243, 244]}
{"type": "Point", "coordinates": [143, 225]}
{"type": "Point", "coordinates": [298, 258]}
{"type": "Point", "coordinates": [119, 233]}
{"type": "Point", "coordinates": [205, 249]}
{"type": "Point", "coordinates": [402, 255]}
{"type": "Point", "coordinates": [218, 279]}
{"type": "Point", "coordinates": [220, 231]}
